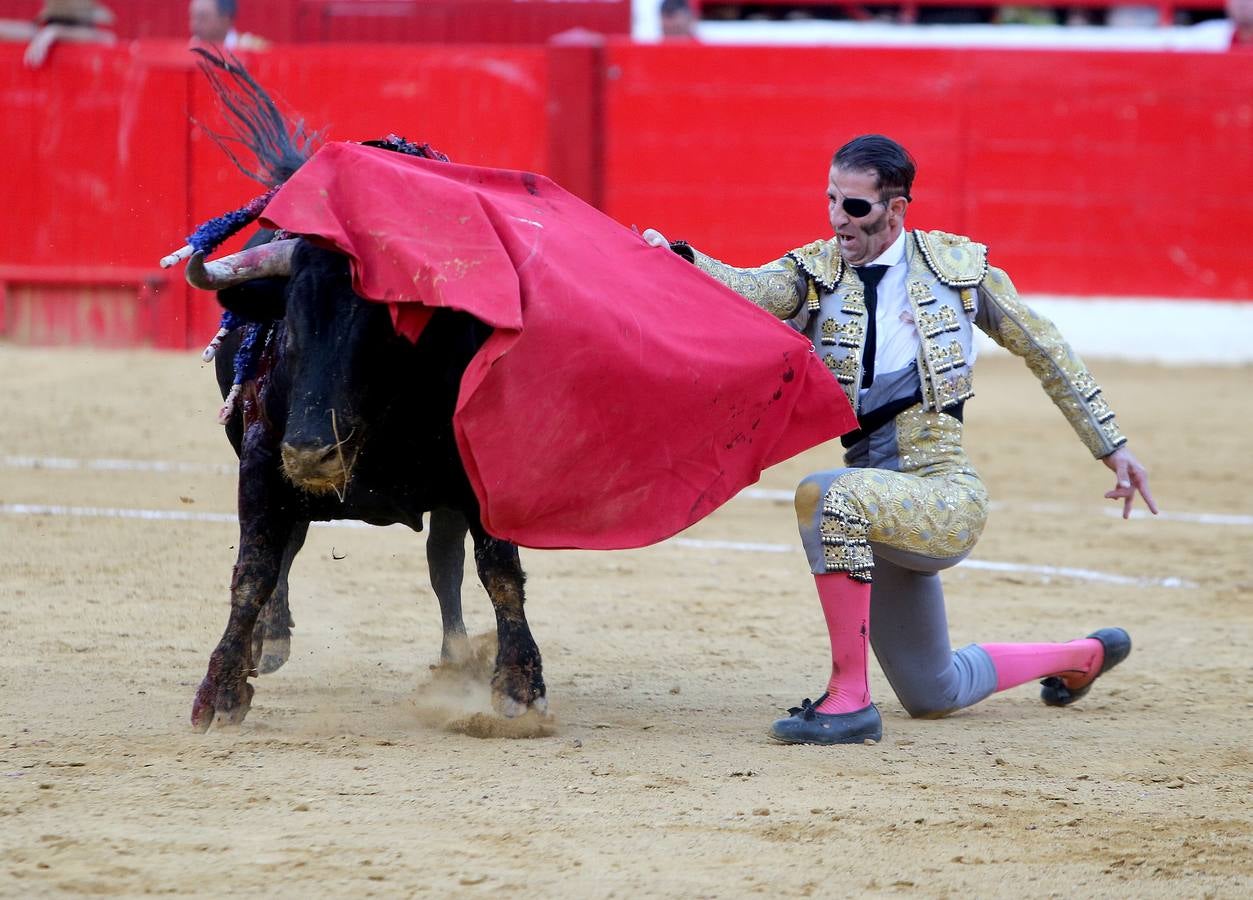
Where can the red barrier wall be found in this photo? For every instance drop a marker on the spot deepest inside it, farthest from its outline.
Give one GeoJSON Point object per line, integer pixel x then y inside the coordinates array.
{"type": "Point", "coordinates": [481, 108]}
{"type": "Point", "coordinates": [384, 21]}
{"type": "Point", "coordinates": [1086, 173]}
{"type": "Point", "coordinates": [107, 174]}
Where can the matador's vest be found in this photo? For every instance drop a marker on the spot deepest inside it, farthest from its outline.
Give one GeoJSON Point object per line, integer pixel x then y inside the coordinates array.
{"type": "Point", "coordinates": [944, 271]}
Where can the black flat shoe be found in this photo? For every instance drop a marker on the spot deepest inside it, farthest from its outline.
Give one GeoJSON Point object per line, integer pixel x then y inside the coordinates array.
{"type": "Point", "coordinates": [1117, 644]}
{"type": "Point", "coordinates": [805, 725]}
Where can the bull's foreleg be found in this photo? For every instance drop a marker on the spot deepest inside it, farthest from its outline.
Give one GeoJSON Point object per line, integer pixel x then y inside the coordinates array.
{"type": "Point", "coordinates": [271, 636]}
{"type": "Point", "coordinates": [266, 526]}
{"type": "Point", "coordinates": [518, 682]}
{"type": "Point", "coordinates": [445, 561]}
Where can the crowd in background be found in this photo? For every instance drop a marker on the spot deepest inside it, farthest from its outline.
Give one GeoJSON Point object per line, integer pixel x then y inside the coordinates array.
{"type": "Point", "coordinates": [212, 22]}
{"type": "Point", "coordinates": [1129, 15]}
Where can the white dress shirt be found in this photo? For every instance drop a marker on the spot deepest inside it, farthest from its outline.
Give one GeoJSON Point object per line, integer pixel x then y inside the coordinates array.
{"type": "Point", "coordinates": [896, 344]}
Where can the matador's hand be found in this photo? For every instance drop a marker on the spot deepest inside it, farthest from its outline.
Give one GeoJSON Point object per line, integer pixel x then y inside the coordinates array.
{"type": "Point", "coordinates": [1131, 477]}
{"type": "Point", "coordinates": [655, 238]}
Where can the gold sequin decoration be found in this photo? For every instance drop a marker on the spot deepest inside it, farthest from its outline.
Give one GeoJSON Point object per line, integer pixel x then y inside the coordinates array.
{"type": "Point", "coordinates": [830, 328]}
{"type": "Point", "coordinates": [957, 261]}
{"type": "Point", "coordinates": [821, 261]}
{"type": "Point", "coordinates": [943, 319]}
{"type": "Point", "coordinates": [956, 358]}
{"type": "Point", "coordinates": [851, 334]}
{"type": "Point", "coordinates": [936, 506]}
{"type": "Point", "coordinates": [854, 303]}
{"type": "Point", "coordinates": [940, 356]}
{"type": "Point", "coordinates": [920, 293]}
{"type": "Point", "coordinates": [844, 532]}
{"type": "Point", "coordinates": [968, 299]}
{"type": "Point", "coordinates": [778, 287]}
{"type": "Point", "coordinates": [1027, 334]}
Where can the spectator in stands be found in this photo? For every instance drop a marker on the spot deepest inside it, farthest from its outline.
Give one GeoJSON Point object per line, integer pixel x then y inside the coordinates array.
{"type": "Point", "coordinates": [213, 22]}
{"type": "Point", "coordinates": [77, 21]}
{"type": "Point", "coordinates": [1234, 32]}
{"type": "Point", "coordinates": [677, 21]}
{"type": "Point", "coordinates": [1240, 13]}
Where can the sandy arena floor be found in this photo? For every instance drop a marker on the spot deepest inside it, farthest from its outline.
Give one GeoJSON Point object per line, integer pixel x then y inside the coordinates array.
{"type": "Point", "coordinates": [664, 668]}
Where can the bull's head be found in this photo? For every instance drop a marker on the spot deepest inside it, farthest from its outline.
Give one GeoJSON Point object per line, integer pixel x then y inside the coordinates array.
{"type": "Point", "coordinates": [335, 351]}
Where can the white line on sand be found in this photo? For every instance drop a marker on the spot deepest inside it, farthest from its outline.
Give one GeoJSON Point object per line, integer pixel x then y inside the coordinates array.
{"type": "Point", "coordinates": [1202, 518]}
{"type": "Point", "coordinates": [116, 465]}
{"type": "Point", "coordinates": [60, 463]}
{"type": "Point", "coordinates": [33, 509]}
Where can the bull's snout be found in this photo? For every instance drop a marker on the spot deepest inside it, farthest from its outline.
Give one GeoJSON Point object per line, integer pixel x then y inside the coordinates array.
{"type": "Point", "coordinates": [318, 469]}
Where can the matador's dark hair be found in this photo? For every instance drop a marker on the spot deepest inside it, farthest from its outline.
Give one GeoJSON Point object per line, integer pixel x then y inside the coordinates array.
{"type": "Point", "coordinates": [889, 161]}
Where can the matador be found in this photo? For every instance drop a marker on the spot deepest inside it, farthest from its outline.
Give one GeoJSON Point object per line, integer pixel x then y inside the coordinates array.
{"type": "Point", "coordinates": [891, 312]}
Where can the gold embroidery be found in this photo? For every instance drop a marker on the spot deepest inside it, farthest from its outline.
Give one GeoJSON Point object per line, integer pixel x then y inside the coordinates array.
{"type": "Point", "coordinates": [1025, 333]}
{"type": "Point", "coordinates": [844, 532]}
{"type": "Point", "coordinates": [921, 293]}
{"type": "Point", "coordinates": [854, 303]}
{"type": "Point", "coordinates": [957, 261]}
{"type": "Point", "coordinates": [821, 261]}
{"type": "Point", "coordinates": [829, 330]}
{"type": "Point", "coordinates": [777, 287]}
{"type": "Point", "coordinates": [936, 506]}
{"type": "Point", "coordinates": [943, 319]}
{"type": "Point", "coordinates": [851, 334]}
{"type": "Point", "coordinates": [955, 357]}
{"type": "Point", "coordinates": [940, 356]}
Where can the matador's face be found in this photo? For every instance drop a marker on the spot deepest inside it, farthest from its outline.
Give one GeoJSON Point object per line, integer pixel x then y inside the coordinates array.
{"type": "Point", "coordinates": [862, 237]}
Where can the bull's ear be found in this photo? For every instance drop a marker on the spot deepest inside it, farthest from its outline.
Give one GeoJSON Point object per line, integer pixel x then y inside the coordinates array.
{"type": "Point", "coordinates": [259, 300]}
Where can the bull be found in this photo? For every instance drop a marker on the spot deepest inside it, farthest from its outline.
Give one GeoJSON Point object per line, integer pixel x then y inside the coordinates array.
{"type": "Point", "coordinates": [345, 419]}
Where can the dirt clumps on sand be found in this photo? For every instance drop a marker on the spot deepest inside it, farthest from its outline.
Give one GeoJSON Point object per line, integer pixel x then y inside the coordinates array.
{"type": "Point", "coordinates": [457, 697]}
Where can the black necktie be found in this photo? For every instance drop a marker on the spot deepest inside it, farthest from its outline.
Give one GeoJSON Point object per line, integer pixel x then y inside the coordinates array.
{"type": "Point", "coordinates": [870, 277]}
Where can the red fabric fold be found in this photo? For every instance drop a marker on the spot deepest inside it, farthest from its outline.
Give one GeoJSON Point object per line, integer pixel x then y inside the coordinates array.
{"type": "Point", "coordinates": [623, 396]}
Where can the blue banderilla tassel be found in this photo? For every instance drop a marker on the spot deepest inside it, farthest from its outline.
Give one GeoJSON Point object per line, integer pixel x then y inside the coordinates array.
{"type": "Point", "coordinates": [212, 233]}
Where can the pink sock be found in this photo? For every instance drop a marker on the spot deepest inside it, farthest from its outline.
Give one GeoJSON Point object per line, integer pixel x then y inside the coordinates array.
{"type": "Point", "coordinates": [846, 605]}
{"type": "Point", "coordinates": [1019, 663]}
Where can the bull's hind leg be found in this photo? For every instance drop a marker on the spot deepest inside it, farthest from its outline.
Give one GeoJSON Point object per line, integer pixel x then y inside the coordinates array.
{"type": "Point", "coordinates": [518, 682]}
{"type": "Point", "coordinates": [445, 560]}
{"type": "Point", "coordinates": [271, 636]}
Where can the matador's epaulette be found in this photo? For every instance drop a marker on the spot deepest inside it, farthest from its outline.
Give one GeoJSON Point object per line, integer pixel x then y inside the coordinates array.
{"type": "Point", "coordinates": [956, 260]}
{"type": "Point", "coordinates": [821, 261]}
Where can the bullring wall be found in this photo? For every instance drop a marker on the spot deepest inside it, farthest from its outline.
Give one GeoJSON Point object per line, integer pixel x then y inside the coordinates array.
{"type": "Point", "coordinates": [1087, 173]}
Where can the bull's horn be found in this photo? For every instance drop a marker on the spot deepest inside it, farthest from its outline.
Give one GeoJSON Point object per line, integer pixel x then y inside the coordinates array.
{"type": "Point", "coordinates": [177, 256]}
{"type": "Point", "coordinates": [268, 260]}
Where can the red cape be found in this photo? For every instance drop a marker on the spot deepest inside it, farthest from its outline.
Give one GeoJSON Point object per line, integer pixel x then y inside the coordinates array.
{"type": "Point", "coordinates": [623, 395]}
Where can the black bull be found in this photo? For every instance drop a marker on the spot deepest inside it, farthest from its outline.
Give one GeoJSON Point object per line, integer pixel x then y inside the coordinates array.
{"type": "Point", "coordinates": [347, 420]}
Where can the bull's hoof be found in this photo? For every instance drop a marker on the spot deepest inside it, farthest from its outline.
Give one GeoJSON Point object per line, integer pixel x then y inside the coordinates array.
{"type": "Point", "coordinates": [274, 652]}
{"type": "Point", "coordinates": [512, 709]}
{"type": "Point", "coordinates": [216, 707]}
{"type": "Point", "coordinates": [509, 705]}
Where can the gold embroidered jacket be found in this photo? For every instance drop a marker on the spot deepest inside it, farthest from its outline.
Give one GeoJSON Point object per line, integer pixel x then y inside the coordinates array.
{"type": "Point", "coordinates": [951, 286]}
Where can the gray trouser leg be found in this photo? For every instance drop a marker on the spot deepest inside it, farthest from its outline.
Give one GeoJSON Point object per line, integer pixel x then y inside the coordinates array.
{"type": "Point", "coordinates": [909, 634]}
